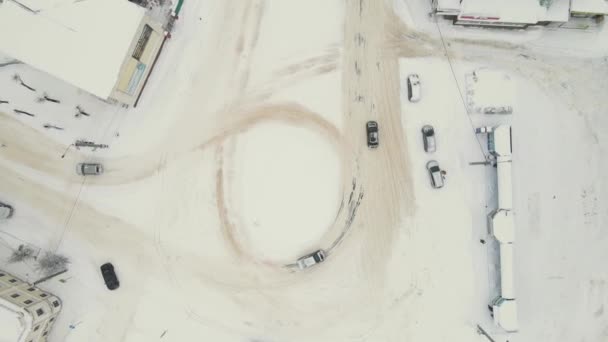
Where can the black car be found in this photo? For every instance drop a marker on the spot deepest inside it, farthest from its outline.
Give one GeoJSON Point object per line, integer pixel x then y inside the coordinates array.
{"type": "Point", "coordinates": [372, 134]}
{"type": "Point", "coordinates": [428, 139]}
{"type": "Point", "coordinates": [109, 276]}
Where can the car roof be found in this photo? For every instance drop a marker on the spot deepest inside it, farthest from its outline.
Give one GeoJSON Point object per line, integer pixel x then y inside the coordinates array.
{"type": "Point", "coordinates": [437, 178]}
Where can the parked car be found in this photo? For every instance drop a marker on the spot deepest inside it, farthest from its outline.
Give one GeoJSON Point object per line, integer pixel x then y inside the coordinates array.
{"type": "Point", "coordinates": [428, 138]}
{"type": "Point", "coordinates": [311, 259]}
{"type": "Point", "coordinates": [109, 276]}
{"type": "Point", "coordinates": [413, 88]}
{"type": "Point", "coordinates": [90, 169]}
{"type": "Point", "coordinates": [6, 211]}
{"type": "Point", "coordinates": [372, 134]}
{"type": "Point", "coordinates": [436, 174]}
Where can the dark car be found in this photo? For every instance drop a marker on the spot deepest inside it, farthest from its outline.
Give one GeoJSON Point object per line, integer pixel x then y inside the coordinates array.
{"type": "Point", "coordinates": [109, 276]}
{"type": "Point", "coordinates": [428, 138]}
{"type": "Point", "coordinates": [372, 134]}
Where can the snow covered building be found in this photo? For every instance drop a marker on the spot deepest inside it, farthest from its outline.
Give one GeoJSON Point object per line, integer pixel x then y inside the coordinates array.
{"type": "Point", "coordinates": [27, 313]}
{"type": "Point", "coordinates": [516, 13]}
{"type": "Point", "coordinates": [589, 8]}
{"type": "Point", "coordinates": [105, 47]}
{"type": "Point", "coordinates": [504, 306]}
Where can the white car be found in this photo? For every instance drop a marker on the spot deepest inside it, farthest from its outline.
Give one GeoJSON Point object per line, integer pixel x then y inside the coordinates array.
{"type": "Point", "coordinates": [436, 174]}
{"type": "Point", "coordinates": [311, 259]}
{"type": "Point", "coordinates": [6, 211]}
{"type": "Point", "coordinates": [89, 169]}
{"type": "Point", "coordinates": [413, 88]}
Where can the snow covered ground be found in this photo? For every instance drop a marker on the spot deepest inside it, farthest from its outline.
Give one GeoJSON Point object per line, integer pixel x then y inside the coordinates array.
{"type": "Point", "coordinates": [248, 150]}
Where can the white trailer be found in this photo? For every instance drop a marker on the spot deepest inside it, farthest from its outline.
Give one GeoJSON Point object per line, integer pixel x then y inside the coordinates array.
{"type": "Point", "coordinates": [505, 185]}
{"type": "Point", "coordinates": [504, 307]}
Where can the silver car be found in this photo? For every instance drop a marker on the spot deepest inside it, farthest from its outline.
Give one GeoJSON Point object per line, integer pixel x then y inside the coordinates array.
{"type": "Point", "coordinates": [311, 259]}
{"type": "Point", "coordinates": [413, 88]}
{"type": "Point", "coordinates": [6, 211]}
{"type": "Point", "coordinates": [87, 169]}
{"type": "Point", "coordinates": [436, 174]}
{"type": "Point", "coordinates": [428, 138]}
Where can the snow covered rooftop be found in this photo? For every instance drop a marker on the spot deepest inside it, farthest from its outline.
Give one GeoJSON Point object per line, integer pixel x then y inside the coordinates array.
{"type": "Point", "coordinates": [558, 11]}
{"type": "Point", "coordinates": [589, 6]}
{"type": "Point", "coordinates": [448, 5]}
{"type": "Point", "coordinates": [507, 288]}
{"type": "Point", "coordinates": [83, 42]}
{"type": "Point", "coordinates": [502, 146]}
{"type": "Point", "coordinates": [513, 11]}
{"type": "Point", "coordinates": [505, 315]}
{"type": "Point", "coordinates": [12, 323]}
{"type": "Point", "coordinates": [503, 226]}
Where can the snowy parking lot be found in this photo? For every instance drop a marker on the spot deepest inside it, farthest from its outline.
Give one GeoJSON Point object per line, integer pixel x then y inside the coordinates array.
{"type": "Point", "coordinates": [248, 150]}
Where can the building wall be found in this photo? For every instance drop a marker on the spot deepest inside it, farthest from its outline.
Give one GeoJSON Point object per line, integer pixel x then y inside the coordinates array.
{"type": "Point", "coordinates": [43, 307]}
{"type": "Point", "coordinates": [139, 61]}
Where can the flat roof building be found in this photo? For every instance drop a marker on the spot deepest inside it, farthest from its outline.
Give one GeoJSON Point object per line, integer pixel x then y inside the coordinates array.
{"type": "Point", "coordinates": [517, 13]}
{"type": "Point", "coordinates": [105, 47]}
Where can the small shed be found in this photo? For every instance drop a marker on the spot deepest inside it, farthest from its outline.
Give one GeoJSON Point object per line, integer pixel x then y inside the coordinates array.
{"type": "Point", "coordinates": [446, 7]}
{"type": "Point", "coordinates": [500, 141]}
{"type": "Point", "coordinates": [588, 8]}
{"type": "Point", "coordinates": [505, 314]}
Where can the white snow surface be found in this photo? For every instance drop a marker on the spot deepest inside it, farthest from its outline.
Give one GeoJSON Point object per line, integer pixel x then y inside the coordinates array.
{"type": "Point", "coordinates": [83, 43]}
{"type": "Point", "coordinates": [489, 88]}
{"type": "Point", "coordinates": [40, 5]}
{"type": "Point", "coordinates": [299, 173]}
{"type": "Point", "coordinates": [182, 178]}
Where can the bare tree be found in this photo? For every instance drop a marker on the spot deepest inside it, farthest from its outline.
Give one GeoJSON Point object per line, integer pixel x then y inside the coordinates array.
{"type": "Point", "coordinates": [21, 254]}
{"type": "Point", "coordinates": [51, 263]}
{"type": "Point", "coordinates": [18, 79]}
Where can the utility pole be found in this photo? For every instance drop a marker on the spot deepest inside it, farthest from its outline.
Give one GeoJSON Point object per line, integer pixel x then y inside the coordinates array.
{"type": "Point", "coordinates": [484, 333]}
{"type": "Point", "coordinates": [49, 277]}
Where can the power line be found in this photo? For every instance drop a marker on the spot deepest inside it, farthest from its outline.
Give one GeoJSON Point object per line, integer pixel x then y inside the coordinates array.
{"type": "Point", "coordinates": [464, 104]}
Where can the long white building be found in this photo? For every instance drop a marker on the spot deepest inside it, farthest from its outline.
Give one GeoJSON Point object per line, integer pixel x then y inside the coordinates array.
{"type": "Point", "coordinates": [516, 13]}
{"type": "Point", "coordinates": [504, 306]}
